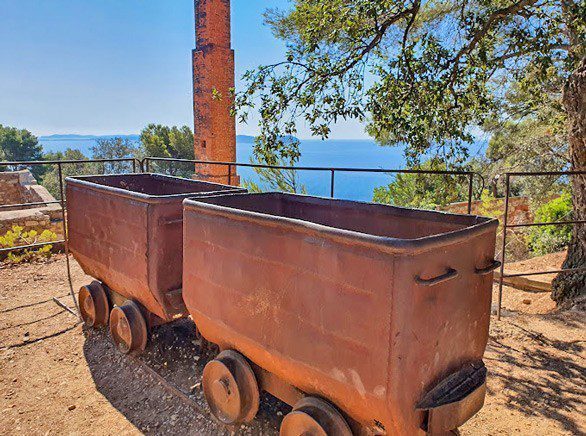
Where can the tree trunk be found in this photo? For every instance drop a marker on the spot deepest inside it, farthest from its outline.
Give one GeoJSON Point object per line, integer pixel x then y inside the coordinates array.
{"type": "Point", "coordinates": [569, 289]}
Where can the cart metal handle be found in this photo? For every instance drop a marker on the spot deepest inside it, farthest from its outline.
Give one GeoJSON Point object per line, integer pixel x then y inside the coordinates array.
{"type": "Point", "coordinates": [448, 275]}
{"type": "Point", "coordinates": [488, 269]}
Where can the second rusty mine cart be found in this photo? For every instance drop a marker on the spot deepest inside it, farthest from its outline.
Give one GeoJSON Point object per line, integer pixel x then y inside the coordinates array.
{"type": "Point", "coordinates": [126, 232]}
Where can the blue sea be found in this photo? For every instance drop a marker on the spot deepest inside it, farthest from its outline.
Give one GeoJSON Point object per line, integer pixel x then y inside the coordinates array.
{"type": "Point", "coordinates": [314, 153]}
{"type": "Point", "coordinates": [338, 153]}
{"type": "Point", "coordinates": [330, 153]}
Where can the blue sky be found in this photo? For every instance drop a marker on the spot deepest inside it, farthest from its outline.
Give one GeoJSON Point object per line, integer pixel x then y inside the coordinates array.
{"type": "Point", "coordinates": [112, 66]}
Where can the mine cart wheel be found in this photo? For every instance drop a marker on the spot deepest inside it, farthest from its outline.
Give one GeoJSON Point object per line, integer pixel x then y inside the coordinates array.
{"type": "Point", "coordinates": [313, 416]}
{"type": "Point", "coordinates": [128, 327]}
{"type": "Point", "coordinates": [94, 305]}
{"type": "Point", "coordinates": [230, 388]}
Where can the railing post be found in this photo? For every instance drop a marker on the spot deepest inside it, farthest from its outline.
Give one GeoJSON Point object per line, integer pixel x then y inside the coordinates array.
{"type": "Point", "coordinates": [470, 192]}
{"type": "Point", "coordinates": [134, 165]}
{"type": "Point", "coordinates": [65, 238]}
{"type": "Point", "coordinates": [332, 181]}
{"type": "Point", "coordinates": [504, 249]}
{"type": "Point", "coordinates": [229, 174]}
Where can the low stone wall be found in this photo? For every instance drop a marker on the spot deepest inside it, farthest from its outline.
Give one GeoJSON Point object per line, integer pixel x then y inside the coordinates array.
{"type": "Point", "coordinates": [519, 213]}
{"type": "Point", "coordinates": [17, 187]}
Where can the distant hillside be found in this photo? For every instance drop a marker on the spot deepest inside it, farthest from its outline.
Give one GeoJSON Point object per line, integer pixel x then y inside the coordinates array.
{"type": "Point", "coordinates": [244, 139]}
{"type": "Point", "coordinates": [84, 143]}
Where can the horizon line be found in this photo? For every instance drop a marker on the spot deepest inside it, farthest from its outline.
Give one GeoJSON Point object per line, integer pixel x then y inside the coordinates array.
{"type": "Point", "coordinates": [90, 136]}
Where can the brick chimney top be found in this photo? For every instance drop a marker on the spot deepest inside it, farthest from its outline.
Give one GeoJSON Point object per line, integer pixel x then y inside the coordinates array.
{"type": "Point", "coordinates": [212, 23]}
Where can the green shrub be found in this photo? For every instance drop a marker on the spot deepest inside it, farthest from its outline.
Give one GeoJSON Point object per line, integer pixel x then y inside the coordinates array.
{"type": "Point", "coordinates": [423, 191]}
{"type": "Point", "coordinates": [551, 239]}
{"type": "Point", "coordinates": [17, 237]}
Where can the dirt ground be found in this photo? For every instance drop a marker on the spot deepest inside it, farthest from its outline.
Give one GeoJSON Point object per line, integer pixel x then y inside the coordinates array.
{"type": "Point", "coordinates": [56, 378]}
{"type": "Point", "coordinates": [547, 262]}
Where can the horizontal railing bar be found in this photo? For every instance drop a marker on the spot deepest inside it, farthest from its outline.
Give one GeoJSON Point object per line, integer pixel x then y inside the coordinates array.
{"type": "Point", "coordinates": [36, 245]}
{"type": "Point", "coordinates": [300, 168]}
{"type": "Point", "coordinates": [554, 223]}
{"type": "Point", "coordinates": [557, 271]}
{"type": "Point", "coordinates": [547, 173]}
{"type": "Point", "coordinates": [40, 203]}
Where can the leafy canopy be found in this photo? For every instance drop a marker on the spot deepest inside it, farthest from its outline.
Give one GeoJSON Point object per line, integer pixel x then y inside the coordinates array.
{"type": "Point", "coordinates": [164, 141]}
{"type": "Point", "coordinates": [114, 148]}
{"type": "Point", "coordinates": [550, 239]}
{"type": "Point", "coordinates": [272, 179]}
{"type": "Point", "coordinates": [19, 145]}
{"type": "Point", "coordinates": [423, 191]}
{"type": "Point", "coordinates": [50, 179]}
{"type": "Point", "coordinates": [418, 72]}
{"type": "Point", "coordinates": [169, 142]}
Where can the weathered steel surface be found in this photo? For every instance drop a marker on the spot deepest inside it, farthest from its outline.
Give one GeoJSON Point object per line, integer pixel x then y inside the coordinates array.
{"type": "Point", "coordinates": [126, 231]}
{"type": "Point", "coordinates": [457, 397]}
{"type": "Point", "coordinates": [353, 302]}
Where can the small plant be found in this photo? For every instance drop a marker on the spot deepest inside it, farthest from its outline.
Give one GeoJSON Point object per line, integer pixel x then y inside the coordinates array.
{"type": "Point", "coordinates": [17, 237]}
{"type": "Point", "coordinates": [550, 239]}
{"type": "Point", "coordinates": [489, 205]}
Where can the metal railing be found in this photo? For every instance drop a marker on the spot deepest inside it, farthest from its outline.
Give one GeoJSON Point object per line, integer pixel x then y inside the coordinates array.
{"type": "Point", "coordinates": [507, 226]}
{"type": "Point", "coordinates": [62, 202]}
{"type": "Point", "coordinates": [469, 175]}
{"type": "Point", "coordinates": [145, 165]}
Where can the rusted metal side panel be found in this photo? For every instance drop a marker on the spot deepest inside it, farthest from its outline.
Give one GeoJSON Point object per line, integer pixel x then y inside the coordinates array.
{"type": "Point", "coordinates": [437, 329]}
{"type": "Point", "coordinates": [345, 300]}
{"type": "Point", "coordinates": [126, 231]}
{"type": "Point", "coordinates": [165, 262]}
{"type": "Point", "coordinates": [108, 237]}
{"type": "Point", "coordinates": [313, 311]}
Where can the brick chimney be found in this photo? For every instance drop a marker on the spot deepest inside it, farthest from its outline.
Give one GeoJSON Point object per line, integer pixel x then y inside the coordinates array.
{"type": "Point", "coordinates": [213, 78]}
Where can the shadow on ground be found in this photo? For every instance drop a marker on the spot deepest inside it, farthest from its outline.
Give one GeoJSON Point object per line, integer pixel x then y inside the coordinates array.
{"type": "Point", "coordinates": [544, 378]}
{"type": "Point", "coordinates": [535, 374]}
{"type": "Point", "coordinates": [175, 354]}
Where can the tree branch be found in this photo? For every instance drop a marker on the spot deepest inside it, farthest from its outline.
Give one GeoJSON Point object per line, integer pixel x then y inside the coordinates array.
{"type": "Point", "coordinates": [492, 19]}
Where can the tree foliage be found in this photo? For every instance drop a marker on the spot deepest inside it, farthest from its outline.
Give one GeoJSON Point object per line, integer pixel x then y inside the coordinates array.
{"type": "Point", "coordinates": [420, 73]}
{"type": "Point", "coordinates": [273, 179]}
{"type": "Point", "coordinates": [550, 239]}
{"type": "Point", "coordinates": [169, 142]}
{"type": "Point", "coordinates": [423, 191]}
{"type": "Point", "coordinates": [115, 148]}
{"type": "Point", "coordinates": [20, 145]}
{"type": "Point", "coordinates": [529, 138]}
{"type": "Point", "coordinates": [50, 179]}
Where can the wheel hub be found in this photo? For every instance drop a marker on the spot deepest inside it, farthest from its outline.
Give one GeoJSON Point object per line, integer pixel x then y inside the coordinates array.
{"type": "Point", "coordinates": [221, 390]}
{"type": "Point", "coordinates": [94, 305]}
{"type": "Point", "coordinates": [230, 388]}
{"type": "Point", "coordinates": [128, 327]}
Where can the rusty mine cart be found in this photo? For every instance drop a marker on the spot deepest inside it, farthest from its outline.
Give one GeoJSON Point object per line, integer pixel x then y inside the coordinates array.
{"type": "Point", "coordinates": [126, 232]}
{"type": "Point", "coordinates": [366, 318]}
